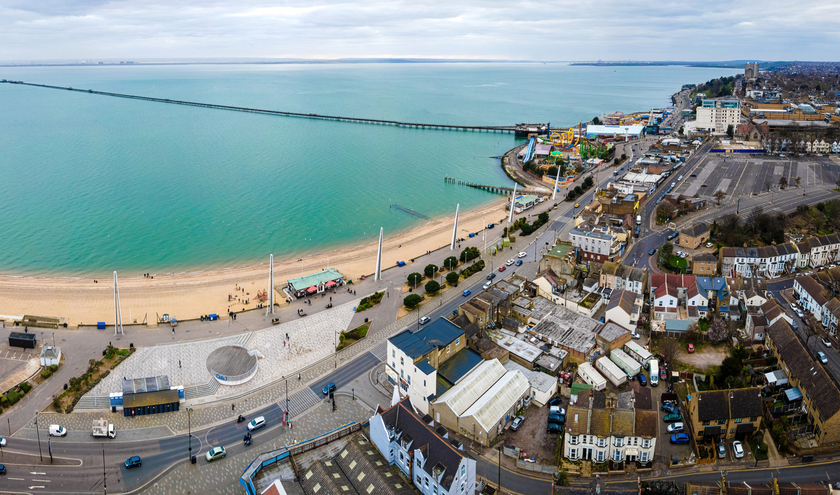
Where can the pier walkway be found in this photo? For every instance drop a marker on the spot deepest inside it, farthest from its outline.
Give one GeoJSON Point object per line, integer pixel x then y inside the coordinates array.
{"type": "Point", "coordinates": [497, 189]}
{"type": "Point", "coordinates": [518, 129]}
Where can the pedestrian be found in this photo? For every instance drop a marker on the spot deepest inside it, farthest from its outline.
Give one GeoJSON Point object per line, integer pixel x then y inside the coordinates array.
{"type": "Point", "coordinates": [330, 298]}
{"type": "Point", "coordinates": [179, 363]}
{"type": "Point", "coordinates": [298, 376]}
{"type": "Point", "coordinates": [232, 406]}
{"type": "Point", "coordinates": [290, 425]}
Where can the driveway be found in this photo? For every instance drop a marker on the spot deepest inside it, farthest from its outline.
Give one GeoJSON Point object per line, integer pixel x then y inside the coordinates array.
{"type": "Point", "coordinates": [531, 437]}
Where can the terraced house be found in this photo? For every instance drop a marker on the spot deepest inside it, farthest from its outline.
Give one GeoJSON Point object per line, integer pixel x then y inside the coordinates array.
{"type": "Point", "coordinates": [818, 293]}
{"type": "Point", "coordinates": [766, 261]}
{"type": "Point", "coordinates": [724, 414]}
{"type": "Point", "coordinates": [622, 277]}
{"type": "Point", "coordinates": [819, 251]}
{"type": "Point", "coordinates": [808, 380]}
{"type": "Point", "coordinates": [599, 431]}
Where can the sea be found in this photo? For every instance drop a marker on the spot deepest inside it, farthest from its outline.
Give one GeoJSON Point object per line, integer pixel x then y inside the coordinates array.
{"type": "Point", "coordinates": [90, 184]}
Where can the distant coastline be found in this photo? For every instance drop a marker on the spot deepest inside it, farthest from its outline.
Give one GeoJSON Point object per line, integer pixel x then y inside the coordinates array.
{"type": "Point", "coordinates": [734, 64]}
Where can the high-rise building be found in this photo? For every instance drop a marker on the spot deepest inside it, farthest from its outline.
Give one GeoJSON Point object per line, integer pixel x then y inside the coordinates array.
{"type": "Point", "coordinates": [715, 116]}
{"type": "Point", "coordinates": [751, 71]}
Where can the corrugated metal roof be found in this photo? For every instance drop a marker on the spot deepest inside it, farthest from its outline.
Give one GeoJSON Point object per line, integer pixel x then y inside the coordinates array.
{"type": "Point", "coordinates": [491, 407]}
{"type": "Point", "coordinates": [471, 387]}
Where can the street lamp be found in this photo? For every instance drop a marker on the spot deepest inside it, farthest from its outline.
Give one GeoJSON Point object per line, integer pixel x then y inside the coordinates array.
{"type": "Point", "coordinates": [38, 433]}
{"type": "Point", "coordinates": [189, 434]}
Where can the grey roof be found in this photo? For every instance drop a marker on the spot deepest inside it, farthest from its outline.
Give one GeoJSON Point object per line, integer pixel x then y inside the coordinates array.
{"type": "Point", "coordinates": [696, 230]}
{"type": "Point", "coordinates": [712, 405]}
{"type": "Point", "coordinates": [568, 328]}
{"type": "Point", "coordinates": [150, 384]}
{"type": "Point", "coordinates": [438, 333]}
{"type": "Point", "coordinates": [542, 307]}
{"type": "Point", "coordinates": [438, 451]}
{"type": "Point", "coordinates": [612, 331]}
{"type": "Point", "coordinates": [461, 363]}
{"type": "Point", "coordinates": [50, 352]}
{"type": "Point", "coordinates": [705, 258]}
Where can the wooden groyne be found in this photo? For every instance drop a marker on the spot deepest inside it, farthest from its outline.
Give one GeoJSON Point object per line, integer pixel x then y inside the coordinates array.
{"type": "Point", "coordinates": [413, 125]}
{"type": "Point", "coordinates": [495, 189]}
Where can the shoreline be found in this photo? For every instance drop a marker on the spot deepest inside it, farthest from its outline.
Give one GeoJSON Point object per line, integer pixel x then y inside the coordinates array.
{"type": "Point", "coordinates": [189, 294]}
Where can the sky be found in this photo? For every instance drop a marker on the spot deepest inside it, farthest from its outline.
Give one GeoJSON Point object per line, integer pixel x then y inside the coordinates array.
{"type": "Point", "coordinates": [714, 30]}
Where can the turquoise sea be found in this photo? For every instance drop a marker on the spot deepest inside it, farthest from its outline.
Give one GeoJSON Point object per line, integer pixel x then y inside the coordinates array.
{"type": "Point", "coordinates": [91, 184]}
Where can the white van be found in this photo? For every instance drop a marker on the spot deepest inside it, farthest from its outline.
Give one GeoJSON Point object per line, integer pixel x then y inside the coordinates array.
{"type": "Point", "coordinates": [57, 431]}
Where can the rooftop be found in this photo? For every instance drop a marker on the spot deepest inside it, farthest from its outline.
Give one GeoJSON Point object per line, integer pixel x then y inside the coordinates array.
{"type": "Point", "coordinates": [461, 396]}
{"type": "Point", "coordinates": [492, 406]}
{"type": "Point", "coordinates": [569, 329]}
{"type": "Point", "coordinates": [520, 348]}
{"type": "Point", "coordinates": [438, 333]}
{"type": "Point", "coordinates": [457, 366]}
{"type": "Point", "coordinates": [316, 279]}
{"type": "Point", "coordinates": [537, 380]}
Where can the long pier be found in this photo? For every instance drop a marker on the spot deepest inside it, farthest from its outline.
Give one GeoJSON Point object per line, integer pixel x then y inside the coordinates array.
{"type": "Point", "coordinates": [516, 129]}
{"type": "Point", "coordinates": [496, 189]}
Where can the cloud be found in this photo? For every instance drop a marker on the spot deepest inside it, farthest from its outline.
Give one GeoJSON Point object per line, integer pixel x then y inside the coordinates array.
{"type": "Point", "coordinates": [495, 29]}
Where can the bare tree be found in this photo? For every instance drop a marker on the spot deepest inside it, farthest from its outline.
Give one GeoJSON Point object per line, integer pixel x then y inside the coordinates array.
{"type": "Point", "coordinates": [798, 180]}
{"type": "Point", "coordinates": [783, 182]}
{"type": "Point", "coordinates": [717, 330]}
{"type": "Point", "coordinates": [719, 195]}
{"type": "Point", "coordinates": [767, 185]}
{"type": "Point", "coordinates": [670, 349]}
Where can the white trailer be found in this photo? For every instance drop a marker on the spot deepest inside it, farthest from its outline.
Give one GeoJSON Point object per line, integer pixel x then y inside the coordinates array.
{"type": "Point", "coordinates": [625, 362]}
{"type": "Point", "coordinates": [638, 352]}
{"type": "Point", "coordinates": [613, 373]}
{"type": "Point", "coordinates": [588, 374]}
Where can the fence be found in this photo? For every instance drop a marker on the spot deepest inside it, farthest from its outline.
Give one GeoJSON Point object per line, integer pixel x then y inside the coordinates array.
{"type": "Point", "coordinates": [537, 468]}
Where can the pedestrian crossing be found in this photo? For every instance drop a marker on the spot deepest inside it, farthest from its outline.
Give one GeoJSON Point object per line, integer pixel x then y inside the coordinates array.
{"type": "Point", "coordinates": [380, 350]}
{"type": "Point", "coordinates": [300, 401]}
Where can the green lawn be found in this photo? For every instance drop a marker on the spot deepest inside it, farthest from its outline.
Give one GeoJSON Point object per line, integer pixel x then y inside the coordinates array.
{"type": "Point", "coordinates": [760, 454]}
{"type": "Point", "coordinates": [678, 262]}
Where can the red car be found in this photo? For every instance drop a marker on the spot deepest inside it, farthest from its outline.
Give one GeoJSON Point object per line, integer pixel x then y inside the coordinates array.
{"type": "Point", "coordinates": [690, 348]}
{"type": "Point", "coordinates": [501, 268]}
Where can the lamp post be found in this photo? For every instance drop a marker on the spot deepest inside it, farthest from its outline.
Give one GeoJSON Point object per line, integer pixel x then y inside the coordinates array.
{"type": "Point", "coordinates": [38, 433]}
{"type": "Point", "coordinates": [189, 434]}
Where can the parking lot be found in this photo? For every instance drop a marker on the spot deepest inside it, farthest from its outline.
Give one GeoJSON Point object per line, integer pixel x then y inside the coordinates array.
{"type": "Point", "coordinates": [16, 353]}
{"type": "Point", "coordinates": [744, 175]}
{"type": "Point", "coordinates": [665, 450]}
{"type": "Point", "coordinates": [532, 437]}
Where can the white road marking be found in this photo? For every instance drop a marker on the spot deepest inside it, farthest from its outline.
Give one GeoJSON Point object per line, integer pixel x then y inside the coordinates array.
{"type": "Point", "coordinates": [16, 479]}
{"type": "Point", "coordinates": [42, 481]}
{"type": "Point", "coordinates": [33, 472]}
{"type": "Point", "coordinates": [32, 487]}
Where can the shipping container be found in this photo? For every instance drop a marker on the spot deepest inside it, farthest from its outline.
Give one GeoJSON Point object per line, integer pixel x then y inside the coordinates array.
{"type": "Point", "coordinates": [625, 362]}
{"type": "Point", "coordinates": [612, 372]}
{"type": "Point", "coordinates": [588, 374]}
{"type": "Point", "coordinates": [637, 352]}
{"type": "Point", "coordinates": [25, 340]}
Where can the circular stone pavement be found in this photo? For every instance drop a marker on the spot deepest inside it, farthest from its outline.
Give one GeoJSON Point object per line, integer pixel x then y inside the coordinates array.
{"type": "Point", "coordinates": [232, 365]}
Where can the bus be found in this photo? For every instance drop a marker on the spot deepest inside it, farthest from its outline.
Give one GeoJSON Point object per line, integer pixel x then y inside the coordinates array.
{"type": "Point", "coordinates": [654, 372]}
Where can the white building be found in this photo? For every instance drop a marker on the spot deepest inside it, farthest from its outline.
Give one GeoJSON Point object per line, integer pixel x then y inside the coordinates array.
{"type": "Point", "coordinates": [432, 463]}
{"type": "Point", "coordinates": [597, 245]}
{"type": "Point", "coordinates": [715, 116]}
{"type": "Point", "coordinates": [50, 355]}
{"type": "Point", "coordinates": [810, 295]}
{"type": "Point", "coordinates": [590, 375]}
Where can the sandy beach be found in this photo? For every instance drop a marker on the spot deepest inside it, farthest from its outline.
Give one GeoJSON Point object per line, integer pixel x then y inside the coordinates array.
{"type": "Point", "coordinates": [189, 295]}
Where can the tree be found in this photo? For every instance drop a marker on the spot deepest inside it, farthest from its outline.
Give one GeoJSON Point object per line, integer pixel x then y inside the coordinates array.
{"type": "Point", "coordinates": [452, 278]}
{"type": "Point", "coordinates": [596, 121]}
{"type": "Point", "coordinates": [411, 301]}
{"type": "Point", "coordinates": [783, 182]}
{"type": "Point", "coordinates": [543, 217]}
{"type": "Point", "coordinates": [666, 250]}
{"type": "Point", "coordinates": [717, 330]}
{"type": "Point", "coordinates": [430, 270]}
{"type": "Point", "coordinates": [470, 253]}
{"type": "Point", "coordinates": [587, 182]}
{"type": "Point", "coordinates": [450, 263]}
{"type": "Point", "coordinates": [719, 195]}
{"type": "Point", "coordinates": [414, 279]}
{"type": "Point", "coordinates": [798, 179]}
{"type": "Point", "coordinates": [669, 349]}
{"type": "Point", "coordinates": [730, 366]}
{"type": "Point", "coordinates": [730, 131]}
{"type": "Point", "coordinates": [665, 212]}
{"type": "Point", "coordinates": [432, 287]}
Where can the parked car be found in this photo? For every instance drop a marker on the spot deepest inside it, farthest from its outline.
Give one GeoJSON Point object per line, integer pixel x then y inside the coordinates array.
{"type": "Point", "coordinates": [2, 442]}
{"type": "Point", "coordinates": [491, 276]}
{"type": "Point", "coordinates": [738, 448]}
{"type": "Point", "coordinates": [487, 285]}
{"type": "Point", "coordinates": [635, 335]}
{"type": "Point", "coordinates": [826, 342]}
{"type": "Point", "coordinates": [709, 244]}
{"type": "Point", "coordinates": [662, 374]}
{"type": "Point", "coordinates": [673, 235]}
{"type": "Point", "coordinates": [555, 402]}
{"type": "Point", "coordinates": [510, 262]}
{"type": "Point", "coordinates": [521, 255]}
{"type": "Point", "coordinates": [671, 418]}
{"type": "Point", "coordinates": [690, 348]}
{"type": "Point", "coordinates": [675, 427]}
{"type": "Point", "coordinates": [721, 451]}
{"type": "Point", "coordinates": [669, 408]}
{"type": "Point", "coordinates": [517, 422]}
{"type": "Point", "coordinates": [330, 387]}
{"type": "Point", "coordinates": [679, 438]}
{"type": "Point", "coordinates": [556, 418]}
{"type": "Point", "coordinates": [823, 357]}
{"type": "Point", "coordinates": [467, 292]}
{"type": "Point", "coordinates": [501, 268]}
{"type": "Point", "coordinates": [650, 253]}
{"type": "Point", "coordinates": [133, 462]}
{"type": "Point", "coordinates": [425, 319]}
{"type": "Point", "coordinates": [554, 428]}
{"type": "Point", "coordinates": [57, 431]}
{"type": "Point", "coordinates": [256, 423]}
{"type": "Point", "coordinates": [642, 380]}
{"type": "Point", "coordinates": [2, 469]}
{"type": "Point", "coordinates": [215, 453]}
{"type": "Point", "coordinates": [518, 262]}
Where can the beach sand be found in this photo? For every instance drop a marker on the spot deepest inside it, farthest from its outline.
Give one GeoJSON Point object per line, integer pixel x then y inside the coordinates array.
{"type": "Point", "coordinates": [189, 295]}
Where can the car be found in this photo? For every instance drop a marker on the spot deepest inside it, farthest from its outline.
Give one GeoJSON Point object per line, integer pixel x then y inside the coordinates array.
{"type": "Point", "coordinates": [467, 292]}
{"type": "Point", "coordinates": [806, 320]}
{"type": "Point", "coordinates": [823, 360]}
{"type": "Point", "coordinates": [577, 205]}
{"type": "Point", "coordinates": [555, 402]}
{"type": "Point", "coordinates": [554, 428]}
{"type": "Point", "coordinates": [635, 335]}
{"type": "Point", "coordinates": [705, 185]}
{"type": "Point", "coordinates": [133, 462]}
{"type": "Point", "coordinates": [2, 469]}
{"type": "Point", "coordinates": [518, 262]}
{"type": "Point", "coordinates": [721, 451]}
{"type": "Point", "coordinates": [825, 341]}
{"type": "Point", "coordinates": [491, 276]}
{"type": "Point", "coordinates": [690, 348]}
{"type": "Point", "coordinates": [693, 175]}
{"type": "Point", "coordinates": [215, 453]}
{"type": "Point", "coordinates": [709, 244]}
{"type": "Point", "coordinates": [556, 418]}
{"type": "Point", "coordinates": [330, 387]}
{"type": "Point", "coordinates": [738, 448]}
{"type": "Point", "coordinates": [650, 253]}
{"type": "Point", "coordinates": [676, 427]}
{"type": "Point", "coordinates": [425, 319]}
{"type": "Point", "coordinates": [673, 235]}
{"type": "Point", "coordinates": [57, 431]}
{"type": "Point", "coordinates": [662, 374]}
{"type": "Point", "coordinates": [679, 438]}
{"type": "Point", "coordinates": [556, 409]}
{"type": "Point", "coordinates": [486, 286]}
{"type": "Point", "coordinates": [521, 255]}
{"type": "Point", "coordinates": [256, 423]}
{"type": "Point", "coordinates": [684, 255]}
{"type": "Point", "coordinates": [669, 408]}
{"type": "Point", "coordinates": [510, 262]}
{"type": "Point", "coordinates": [517, 422]}
{"type": "Point", "coordinates": [642, 380]}
{"type": "Point", "coordinates": [799, 313]}
{"type": "Point", "coordinates": [501, 268]}
{"type": "Point", "coordinates": [672, 418]}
